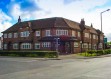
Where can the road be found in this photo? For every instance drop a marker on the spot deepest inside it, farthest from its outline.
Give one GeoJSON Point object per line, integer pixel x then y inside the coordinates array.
{"type": "Point", "coordinates": [32, 68]}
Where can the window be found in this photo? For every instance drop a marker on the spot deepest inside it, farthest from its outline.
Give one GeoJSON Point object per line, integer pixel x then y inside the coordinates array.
{"type": "Point", "coordinates": [90, 35]}
{"type": "Point", "coordinates": [61, 32]}
{"type": "Point", "coordinates": [94, 36]}
{"type": "Point", "coordinates": [94, 46]}
{"type": "Point", "coordinates": [5, 35]}
{"type": "Point", "coordinates": [24, 34]}
{"type": "Point", "coordinates": [26, 46]}
{"type": "Point", "coordinates": [15, 46]}
{"type": "Point", "coordinates": [89, 45]}
{"type": "Point", "coordinates": [10, 35]}
{"type": "Point", "coordinates": [37, 45]}
{"type": "Point", "coordinates": [37, 33]}
{"type": "Point", "coordinates": [73, 33]}
{"type": "Point", "coordinates": [87, 35]}
{"type": "Point", "coordinates": [79, 35]}
{"type": "Point", "coordinates": [101, 37]}
{"type": "Point", "coordinates": [5, 46]}
{"type": "Point", "coordinates": [76, 44]}
{"type": "Point", "coordinates": [47, 32]}
{"type": "Point", "coordinates": [100, 45]}
{"type": "Point", "coordinates": [84, 45]}
{"type": "Point", "coordinates": [46, 44]}
{"type": "Point", "coordinates": [15, 35]}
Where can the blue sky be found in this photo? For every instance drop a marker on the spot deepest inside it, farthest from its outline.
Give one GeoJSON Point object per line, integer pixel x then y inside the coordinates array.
{"type": "Point", "coordinates": [75, 10]}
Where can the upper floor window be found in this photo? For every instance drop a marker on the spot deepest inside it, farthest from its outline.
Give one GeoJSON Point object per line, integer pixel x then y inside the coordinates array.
{"type": "Point", "coordinates": [73, 33]}
{"type": "Point", "coordinates": [24, 34]}
{"type": "Point", "coordinates": [79, 34]}
{"type": "Point", "coordinates": [101, 37]}
{"type": "Point", "coordinates": [15, 35]}
{"type": "Point", "coordinates": [47, 32]}
{"type": "Point", "coordinates": [87, 35]}
{"type": "Point", "coordinates": [61, 32]}
{"type": "Point", "coordinates": [5, 35]}
{"type": "Point", "coordinates": [10, 35]}
{"type": "Point", "coordinates": [37, 33]}
{"type": "Point", "coordinates": [90, 36]}
{"type": "Point", "coordinates": [94, 36]}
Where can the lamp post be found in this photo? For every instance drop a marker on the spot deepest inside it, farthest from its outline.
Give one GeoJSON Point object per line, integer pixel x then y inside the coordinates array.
{"type": "Point", "coordinates": [101, 23]}
{"type": "Point", "coordinates": [101, 17]}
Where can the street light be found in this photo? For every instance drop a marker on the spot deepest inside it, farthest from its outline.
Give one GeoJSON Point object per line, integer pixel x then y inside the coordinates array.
{"type": "Point", "coordinates": [101, 17]}
{"type": "Point", "coordinates": [101, 24]}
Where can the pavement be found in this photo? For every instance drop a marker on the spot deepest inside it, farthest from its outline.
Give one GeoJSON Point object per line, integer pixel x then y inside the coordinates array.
{"type": "Point", "coordinates": [76, 56]}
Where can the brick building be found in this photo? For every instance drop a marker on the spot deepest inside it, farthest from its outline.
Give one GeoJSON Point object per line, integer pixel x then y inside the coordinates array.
{"type": "Point", "coordinates": [1, 43]}
{"type": "Point", "coordinates": [54, 34]}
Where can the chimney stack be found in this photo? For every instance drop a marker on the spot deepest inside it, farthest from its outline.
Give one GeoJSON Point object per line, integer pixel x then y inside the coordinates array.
{"type": "Point", "coordinates": [91, 25]}
{"type": "Point", "coordinates": [19, 19]}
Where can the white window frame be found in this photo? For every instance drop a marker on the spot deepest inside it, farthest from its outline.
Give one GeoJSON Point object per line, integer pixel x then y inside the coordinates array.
{"type": "Point", "coordinates": [100, 45]}
{"type": "Point", "coordinates": [24, 34]}
{"type": "Point", "coordinates": [26, 46]}
{"type": "Point", "coordinates": [87, 35]}
{"type": "Point", "coordinates": [15, 35]}
{"type": "Point", "coordinates": [10, 35]}
{"type": "Point", "coordinates": [5, 35]}
{"type": "Point", "coordinates": [37, 45]}
{"type": "Point", "coordinates": [37, 33]}
{"type": "Point", "coordinates": [5, 46]}
{"type": "Point", "coordinates": [73, 33]}
{"type": "Point", "coordinates": [46, 44]}
{"type": "Point", "coordinates": [94, 36]}
{"type": "Point", "coordinates": [61, 32]}
{"type": "Point", "coordinates": [76, 44]}
{"type": "Point", "coordinates": [79, 34]}
{"type": "Point", "coordinates": [15, 46]}
{"type": "Point", "coordinates": [85, 45]}
{"type": "Point", "coordinates": [47, 32]}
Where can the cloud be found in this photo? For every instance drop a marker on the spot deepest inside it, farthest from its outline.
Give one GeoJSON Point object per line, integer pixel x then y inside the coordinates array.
{"type": "Point", "coordinates": [70, 9]}
{"type": "Point", "coordinates": [5, 21]}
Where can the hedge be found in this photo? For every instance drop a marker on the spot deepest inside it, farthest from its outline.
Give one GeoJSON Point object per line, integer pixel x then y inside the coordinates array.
{"type": "Point", "coordinates": [49, 54]}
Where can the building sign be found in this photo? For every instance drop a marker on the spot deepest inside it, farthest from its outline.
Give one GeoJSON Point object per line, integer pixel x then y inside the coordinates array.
{"type": "Point", "coordinates": [105, 40]}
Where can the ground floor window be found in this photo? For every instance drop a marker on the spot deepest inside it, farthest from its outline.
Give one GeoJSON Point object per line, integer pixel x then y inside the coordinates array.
{"type": "Point", "coordinates": [46, 44]}
{"type": "Point", "coordinates": [37, 45]}
{"type": "Point", "coordinates": [94, 47]}
{"type": "Point", "coordinates": [5, 46]}
{"type": "Point", "coordinates": [76, 44]}
{"type": "Point", "coordinates": [89, 45]}
{"type": "Point", "coordinates": [15, 46]}
{"type": "Point", "coordinates": [26, 46]}
{"type": "Point", "coordinates": [85, 45]}
{"type": "Point", "coordinates": [100, 45]}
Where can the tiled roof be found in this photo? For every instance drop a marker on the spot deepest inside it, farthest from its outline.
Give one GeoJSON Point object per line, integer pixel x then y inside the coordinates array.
{"type": "Point", "coordinates": [45, 23]}
{"type": "Point", "coordinates": [92, 30]}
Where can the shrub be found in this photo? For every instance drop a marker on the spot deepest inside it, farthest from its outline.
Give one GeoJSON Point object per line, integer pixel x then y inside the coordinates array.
{"type": "Point", "coordinates": [100, 52]}
{"type": "Point", "coordinates": [91, 51]}
{"type": "Point", "coordinates": [107, 51]}
{"type": "Point", "coordinates": [29, 53]}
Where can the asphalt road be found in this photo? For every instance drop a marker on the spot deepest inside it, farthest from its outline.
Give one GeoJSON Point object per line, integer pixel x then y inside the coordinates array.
{"type": "Point", "coordinates": [31, 68]}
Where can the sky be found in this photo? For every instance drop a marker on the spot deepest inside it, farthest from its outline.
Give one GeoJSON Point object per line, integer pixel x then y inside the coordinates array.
{"type": "Point", "coordinates": [74, 10]}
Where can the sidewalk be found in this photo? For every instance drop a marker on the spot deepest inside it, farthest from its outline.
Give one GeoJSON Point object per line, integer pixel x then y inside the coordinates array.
{"type": "Point", "coordinates": [76, 56]}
